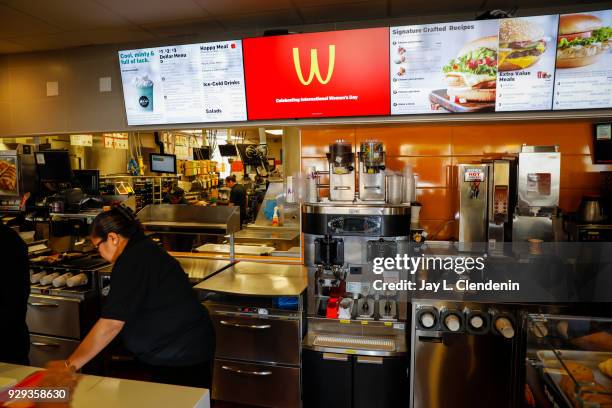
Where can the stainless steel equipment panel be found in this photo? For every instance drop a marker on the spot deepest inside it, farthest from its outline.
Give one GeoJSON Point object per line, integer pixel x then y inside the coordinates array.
{"type": "Point", "coordinates": [539, 178]}
{"type": "Point", "coordinates": [256, 384]}
{"type": "Point", "coordinates": [44, 349]}
{"type": "Point", "coordinates": [271, 339]}
{"type": "Point", "coordinates": [53, 315]}
{"type": "Point", "coordinates": [473, 196]}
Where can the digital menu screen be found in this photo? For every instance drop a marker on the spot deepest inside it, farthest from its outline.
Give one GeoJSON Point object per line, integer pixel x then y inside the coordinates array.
{"type": "Point", "coordinates": [338, 73]}
{"type": "Point", "coordinates": [583, 78]}
{"type": "Point", "coordinates": [184, 83]}
{"type": "Point", "coordinates": [473, 66]}
{"type": "Point", "coordinates": [441, 68]}
{"type": "Point", "coordinates": [526, 63]}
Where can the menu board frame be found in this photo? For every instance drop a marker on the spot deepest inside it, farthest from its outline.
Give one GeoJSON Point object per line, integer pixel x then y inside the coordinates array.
{"type": "Point", "coordinates": [388, 115]}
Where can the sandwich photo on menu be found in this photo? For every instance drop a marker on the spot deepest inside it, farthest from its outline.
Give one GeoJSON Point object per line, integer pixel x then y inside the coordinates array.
{"type": "Point", "coordinates": [521, 44]}
{"type": "Point", "coordinates": [470, 78]}
{"type": "Point", "coordinates": [583, 39]}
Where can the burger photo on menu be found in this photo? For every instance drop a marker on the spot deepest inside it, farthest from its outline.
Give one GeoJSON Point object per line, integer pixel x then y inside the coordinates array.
{"type": "Point", "coordinates": [470, 78]}
{"type": "Point", "coordinates": [521, 44]}
{"type": "Point", "coordinates": [583, 39]}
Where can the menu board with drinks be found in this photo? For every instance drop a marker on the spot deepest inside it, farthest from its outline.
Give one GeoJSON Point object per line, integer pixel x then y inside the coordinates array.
{"type": "Point", "coordinates": [584, 61]}
{"type": "Point", "coordinates": [184, 83]}
{"type": "Point", "coordinates": [533, 63]}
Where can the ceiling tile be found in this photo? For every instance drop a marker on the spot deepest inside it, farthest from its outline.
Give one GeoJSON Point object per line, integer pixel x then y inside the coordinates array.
{"type": "Point", "coordinates": [345, 12]}
{"type": "Point", "coordinates": [63, 13]}
{"type": "Point", "coordinates": [417, 7]}
{"type": "Point", "coordinates": [83, 38]}
{"type": "Point", "coordinates": [230, 7]}
{"type": "Point", "coordinates": [15, 23]}
{"type": "Point", "coordinates": [325, 3]}
{"type": "Point", "coordinates": [261, 21]}
{"type": "Point", "coordinates": [7, 47]}
{"type": "Point", "coordinates": [155, 11]}
{"type": "Point", "coordinates": [184, 28]}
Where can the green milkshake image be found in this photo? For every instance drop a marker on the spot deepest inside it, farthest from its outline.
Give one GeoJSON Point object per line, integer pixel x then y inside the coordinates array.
{"type": "Point", "coordinates": [144, 93]}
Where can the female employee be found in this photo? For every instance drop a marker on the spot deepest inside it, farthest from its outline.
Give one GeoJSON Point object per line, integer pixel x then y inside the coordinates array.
{"type": "Point", "coordinates": [151, 303]}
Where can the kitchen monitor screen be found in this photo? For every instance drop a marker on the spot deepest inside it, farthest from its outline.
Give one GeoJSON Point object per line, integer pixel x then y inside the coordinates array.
{"type": "Point", "coordinates": [163, 163]}
{"type": "Point", "coordinates": [184, 83]}
{"type": "Point", "coordinates": [228, 150]}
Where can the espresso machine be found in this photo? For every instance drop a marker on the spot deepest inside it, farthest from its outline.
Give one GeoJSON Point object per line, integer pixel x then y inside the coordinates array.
{"type": "Point", "coordinates": [487, 196]}
{"type": "Point", "coordinates": [536, 214]}
{"type": "Point", "coordinates": [340, 244]}
{"type": "Point", "coordinates": [341, 160]}
{"type": "Point", "coordinates": [372, 171]}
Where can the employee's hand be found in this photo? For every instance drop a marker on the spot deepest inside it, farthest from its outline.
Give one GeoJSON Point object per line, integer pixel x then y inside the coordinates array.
{"type": "Point", "coordinates": [59, 374]}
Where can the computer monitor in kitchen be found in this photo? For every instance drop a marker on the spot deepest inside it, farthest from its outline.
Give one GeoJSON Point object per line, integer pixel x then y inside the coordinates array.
{"type": "Point", "coordinates": [53, 166]}
{"type": "Point", "coordinates": [228, 150]}
{"type": "Point", "coordinates": [162, 163]}
{"type": "Point", "coordinates": [88, 181]}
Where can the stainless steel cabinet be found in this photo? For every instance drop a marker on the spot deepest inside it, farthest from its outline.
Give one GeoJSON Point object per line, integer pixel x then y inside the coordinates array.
{"type": "Point", "coordinates": [54, 316]}
{"type": "Point", "coordinates": [256, 384]}
{"type": "Point", "coordinates": [257, 339]}
{"type": "Point", "coordinates": [44, 349]}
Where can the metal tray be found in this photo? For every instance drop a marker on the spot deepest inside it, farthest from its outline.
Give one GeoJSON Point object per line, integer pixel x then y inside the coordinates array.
{"type": "Point", "coordinates": [553, 369]}
{"type": "Point", "coordinates": [239, 249]}
{"type": "Point", "coordinates": [440, 97]}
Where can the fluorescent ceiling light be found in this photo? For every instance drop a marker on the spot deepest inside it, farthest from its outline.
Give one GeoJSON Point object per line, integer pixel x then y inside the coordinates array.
{"type": "Point", "coordinates": [275, 132]}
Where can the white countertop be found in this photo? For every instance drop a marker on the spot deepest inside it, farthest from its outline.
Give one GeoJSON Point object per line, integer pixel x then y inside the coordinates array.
{"type": "Point", "coordinates": [105, 392]}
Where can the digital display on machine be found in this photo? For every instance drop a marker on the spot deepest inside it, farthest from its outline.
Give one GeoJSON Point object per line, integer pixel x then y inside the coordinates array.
{"type": "Point", "coordinates": [361, 225]}
{"type": "Point", "coordinates": [317, 75]}
{"type": "Point", "coordinates": [163, 163]}
{"type": "Point", "coordinates": [184, 83]}
{"type": "Point", "coordinates": [584, 61]}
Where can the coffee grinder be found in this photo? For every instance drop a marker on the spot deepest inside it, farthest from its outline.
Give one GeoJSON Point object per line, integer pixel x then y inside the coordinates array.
{"type": "Point", "coordinates": [372, 171]}
{"type": "Point", "coordinates": [341, 160]}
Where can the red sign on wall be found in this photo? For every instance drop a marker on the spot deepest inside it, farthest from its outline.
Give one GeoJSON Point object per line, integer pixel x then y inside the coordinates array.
{"type": "Point", "coordinates": [338, 73]}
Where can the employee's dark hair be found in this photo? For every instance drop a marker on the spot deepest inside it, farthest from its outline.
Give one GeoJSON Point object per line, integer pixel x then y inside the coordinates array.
{"type": "Point", "coordinates": [231, 178]}
{"type": "Point", "coordinates": [178, 192]}
{"type": "Point", "coordinates": [120, 220]}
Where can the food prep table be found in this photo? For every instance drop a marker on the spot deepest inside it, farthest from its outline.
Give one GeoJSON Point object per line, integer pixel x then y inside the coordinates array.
{"type": "Point", "coordinates": [258, 279]}
{"type": "Point", "coordinates": [93, 391]}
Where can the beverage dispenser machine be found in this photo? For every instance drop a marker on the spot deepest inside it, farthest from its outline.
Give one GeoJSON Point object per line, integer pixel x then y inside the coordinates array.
{"type": "Point", "coordinates": [372, 171]}
{"type": "Point", "coordinates": [341, 160]}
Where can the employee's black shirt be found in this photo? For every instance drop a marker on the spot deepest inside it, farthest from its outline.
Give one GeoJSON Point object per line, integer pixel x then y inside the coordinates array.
{"type": "Point", "coordinates": [14, 292]}
{"type": "Point", "coordinates": [238, 198]}
{"type": "Point", "coordinates": [165, 324]}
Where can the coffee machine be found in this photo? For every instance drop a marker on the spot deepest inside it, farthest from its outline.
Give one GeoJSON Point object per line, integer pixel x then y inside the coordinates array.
{"type": "Point", "coordinates": [340, 244]}
{"type": "Point", "coordinates": [487, 196]}
{"type": "Point", "coordinates": [536, 215]}
{"type": "Point", "coordinates": [341, 161]}
{"type": "Point", "coordinates": [372, 171]}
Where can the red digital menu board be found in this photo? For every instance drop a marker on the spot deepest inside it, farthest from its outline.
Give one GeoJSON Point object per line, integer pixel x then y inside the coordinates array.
{"type": "Point", "coordinates": [338, 73]}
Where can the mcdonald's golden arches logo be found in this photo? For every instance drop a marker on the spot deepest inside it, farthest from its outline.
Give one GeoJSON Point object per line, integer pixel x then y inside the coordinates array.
{"type": "Point", "coordinates": [314, 66]}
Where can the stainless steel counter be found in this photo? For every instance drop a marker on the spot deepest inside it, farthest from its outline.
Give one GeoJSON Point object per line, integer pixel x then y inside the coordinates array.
{"type": "Point", "coordinates": [189, 218]}
{"type": "Point", "coordinates": [198, 269]}
{"type": "Point", "coordinates": [258, 279]}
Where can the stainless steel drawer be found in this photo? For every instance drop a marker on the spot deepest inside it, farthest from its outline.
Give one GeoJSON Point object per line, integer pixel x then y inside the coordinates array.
{"type": "Point", "coordinates": [44, 349]}
{"type": "Point", "coordinates": [54, 316]}
{"type": "Point", "coordinates": [256, 384]}
{"type": "Point", "coordinates": [265, 340]}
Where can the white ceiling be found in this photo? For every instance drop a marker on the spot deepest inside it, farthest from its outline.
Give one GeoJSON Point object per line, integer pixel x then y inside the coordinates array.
{"type": "Point", "coordinates": [34, 25]}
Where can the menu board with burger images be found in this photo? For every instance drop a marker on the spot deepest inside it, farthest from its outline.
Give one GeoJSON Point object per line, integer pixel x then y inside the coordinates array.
{"type": "Point", "coordinates": [526, 63]}
{"type": "Point", "coordinates": [184, 83]}
{"type": "Point", "coordinates": [583, 78]}
{"type": "Point", "coordinates": [440, 68]}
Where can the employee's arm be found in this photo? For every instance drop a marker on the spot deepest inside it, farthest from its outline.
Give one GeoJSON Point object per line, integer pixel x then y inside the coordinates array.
{"type": "Point", "coordinates": [103, 332]}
